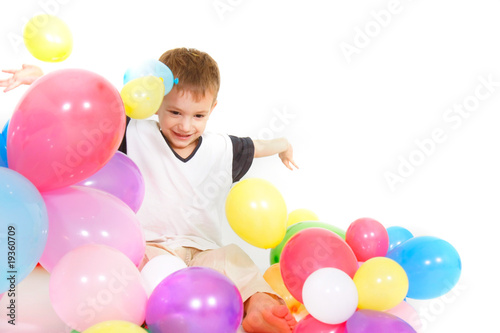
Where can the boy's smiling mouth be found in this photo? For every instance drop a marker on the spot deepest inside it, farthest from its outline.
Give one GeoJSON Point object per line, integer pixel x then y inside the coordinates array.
{"type": "Point", "coordinates": [182, 136]}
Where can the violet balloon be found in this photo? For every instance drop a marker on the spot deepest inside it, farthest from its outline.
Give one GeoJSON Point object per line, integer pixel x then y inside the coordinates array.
{"type": "Point", "coordinates": [195, 299]}
{"type": "Point", "coordinates": [120, 177]}
{"type": "Point", "coordinates": [371, 321]}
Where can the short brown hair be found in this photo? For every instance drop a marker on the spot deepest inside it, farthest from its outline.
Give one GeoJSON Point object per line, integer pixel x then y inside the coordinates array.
{"type": "Point", "coordinates": [196, 70]}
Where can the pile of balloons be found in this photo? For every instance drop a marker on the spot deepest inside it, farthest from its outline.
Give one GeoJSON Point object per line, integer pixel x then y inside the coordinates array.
{"type": "Point", "coordinates": [358, 281]}
{"type": "Point", "coordinates": [67, 187]}
{"type": "Point", "coordinates": [354, 281]}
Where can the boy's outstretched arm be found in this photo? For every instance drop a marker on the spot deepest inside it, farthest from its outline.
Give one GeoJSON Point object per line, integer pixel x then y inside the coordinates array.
{"type": "Point", "coordinates": [26, 75]}
{"type": "Point", "coordinates": [279, 146]}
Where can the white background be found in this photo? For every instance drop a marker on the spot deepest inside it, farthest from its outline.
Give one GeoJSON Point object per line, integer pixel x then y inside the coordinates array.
{"type": "Point", "coordinates": [351, 119]}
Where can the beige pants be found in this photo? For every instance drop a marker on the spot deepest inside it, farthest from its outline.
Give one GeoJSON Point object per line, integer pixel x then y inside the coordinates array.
{"type": "Point", "coordinates": [229, 260]}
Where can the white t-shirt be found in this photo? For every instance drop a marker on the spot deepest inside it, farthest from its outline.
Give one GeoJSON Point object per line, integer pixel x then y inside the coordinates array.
{"type": "Point", "coordinates": [184, 202]}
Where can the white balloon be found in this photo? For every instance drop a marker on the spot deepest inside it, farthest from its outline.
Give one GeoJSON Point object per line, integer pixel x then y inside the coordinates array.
{"type": "Point", "coordinates": [32, 310]}
{"type": "Point", "coordinates": [330, 295]}
{"type": "Point", "coordinates": [158, 268]}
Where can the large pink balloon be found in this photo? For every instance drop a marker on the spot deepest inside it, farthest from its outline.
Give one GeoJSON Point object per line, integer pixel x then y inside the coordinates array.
{"type": "Point", "coordinates": [95, 283]}
{"type": "Point", "coordinates": [309, 250]}
{"type": "Point", "coordinates": [120, 177]}
{"type": "Point", "coordinates": [80, 215]}
{"type": "Point", "coordinates": [66, 127]}
{"type": "Point", "coordinates": [367, 238]}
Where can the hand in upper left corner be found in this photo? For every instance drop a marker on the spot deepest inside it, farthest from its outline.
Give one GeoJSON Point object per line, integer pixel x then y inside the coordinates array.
{"type": "Point", "coordinates": [26, 75]}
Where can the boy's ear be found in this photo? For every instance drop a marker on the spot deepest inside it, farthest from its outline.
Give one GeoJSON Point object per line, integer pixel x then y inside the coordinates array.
{"type": "Point", "coordinates": [213, 106]}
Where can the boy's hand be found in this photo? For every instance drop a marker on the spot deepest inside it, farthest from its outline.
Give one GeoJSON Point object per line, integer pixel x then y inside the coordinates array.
{"type": "Point", "coordinates": [287, 157]}
{"type": "Point", "coordinates": [26, 75]}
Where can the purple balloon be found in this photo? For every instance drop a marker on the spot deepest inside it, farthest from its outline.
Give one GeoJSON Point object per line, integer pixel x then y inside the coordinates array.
{"type": "Point", "coordinates": [195, 299]}
{"type": "Point", "coordinates": [120, 177]}
{"type": "Point", "coordinates": [371, 321]}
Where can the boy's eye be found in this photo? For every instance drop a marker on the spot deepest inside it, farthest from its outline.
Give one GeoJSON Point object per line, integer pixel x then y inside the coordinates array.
{"type": "Point", "coordinates": [200, 116]}
{"type": "Point", "coordinates": [175, 113]}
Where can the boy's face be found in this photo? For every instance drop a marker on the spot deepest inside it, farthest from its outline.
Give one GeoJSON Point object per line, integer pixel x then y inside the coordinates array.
{"type": "Point", "coordinates": [183, 119]}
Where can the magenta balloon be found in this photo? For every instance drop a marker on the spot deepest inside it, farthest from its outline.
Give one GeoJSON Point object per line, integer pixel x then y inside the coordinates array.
{"type": "Point", "coordinates": [68, 124]}
{"type": "Point", "coordinates": [80, 215]}
{"type": "Point", "coordinates": [309, 250]}
{"type": "Point", "coordinates": [371, 321]}
{"type": "Point", "coordinates": [195, 299]}
{"type": "Point", "coordinates": [120, 177]}
{"type": "Point", "coordinates": [311, 325]}
{"type": "Point", "coordinates": [368, 238]}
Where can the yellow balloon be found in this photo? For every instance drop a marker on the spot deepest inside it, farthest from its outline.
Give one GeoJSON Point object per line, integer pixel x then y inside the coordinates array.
{"type": "Point", "coordinates": [143, 96]}
{"type": "Point", "coordinates": [48, 38]}
{"type": "Point", "coordinates": [115, 326]}
{"type": "Point", "coordinates": [301, 215]}
{"type": "Point", "coordinates": [274, 279]}
{"type": "Point", "coordinates": [382, 284]}
{"type": "Point", "coordinates": [257, 212]}
{"type": "Point", "coordinates": [301, 313]}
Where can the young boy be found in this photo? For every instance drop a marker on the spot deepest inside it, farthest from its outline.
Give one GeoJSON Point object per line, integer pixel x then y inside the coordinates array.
{"type": "Point", "coordinates": [188, 174]}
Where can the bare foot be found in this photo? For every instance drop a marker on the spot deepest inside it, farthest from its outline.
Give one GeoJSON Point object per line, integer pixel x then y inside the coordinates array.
{"type": "Point", "coordinates": [266, 314]}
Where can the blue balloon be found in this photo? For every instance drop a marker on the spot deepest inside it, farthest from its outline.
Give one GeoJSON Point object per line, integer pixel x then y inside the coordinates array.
{"type": "Point", "coordinates": [154, 68]}
{"type": "Point", "coordinates": [23, 228]}
{"type": "Point", "coordinates": [432, 265]}
{"type": "Point", "coordinates": [398, 235]}
{"type": "Point", "coordinates": [3, 146]}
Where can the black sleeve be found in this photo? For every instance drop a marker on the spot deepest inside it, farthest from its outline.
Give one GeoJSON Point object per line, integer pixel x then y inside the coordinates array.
{"type": "Point", "coordinates": [123, 145]}
{"type": "Point", "coordinates": [243, 153]}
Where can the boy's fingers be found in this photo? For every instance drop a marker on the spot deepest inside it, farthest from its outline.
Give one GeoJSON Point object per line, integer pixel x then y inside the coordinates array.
{"type": "Point", "coordinates": [12, 86]}
{"type": "Point", "coordinates": [10, 71]}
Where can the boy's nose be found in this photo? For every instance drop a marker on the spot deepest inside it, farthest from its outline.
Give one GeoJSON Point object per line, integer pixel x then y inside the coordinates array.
{"type": "Point", "coordinates": [186, 124]}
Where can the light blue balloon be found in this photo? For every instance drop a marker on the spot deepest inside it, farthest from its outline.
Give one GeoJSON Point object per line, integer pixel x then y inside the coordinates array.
{"type": "Point", "coordinates": [152, 67]}
{"type": "Point", "coordinates": [432, 265]}
{"type": "Point", "coordinates": [3, 146]}
{"type": "Point", "coordinates": [398, 235]}
{"type": "Point", "coordinates": [23, 228]}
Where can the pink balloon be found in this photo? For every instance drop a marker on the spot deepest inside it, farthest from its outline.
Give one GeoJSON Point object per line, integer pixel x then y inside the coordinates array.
{"type": "Point", "coordinates": [120, 177]}
{"type": "Point", "coordinates": [309, 250]}
{"type": "Point", "coordinates": [367, 238]}
{"type": "Point", "coordinates": [80, 215]}
{"type": "Point", "coordinates": [406, 312]}
{"type": "Point", "coordinates": [95, 283]}
{"type": "Point", "coordinates": [311, 325]}
{"type": "Point", "coordinates": [66, 127]}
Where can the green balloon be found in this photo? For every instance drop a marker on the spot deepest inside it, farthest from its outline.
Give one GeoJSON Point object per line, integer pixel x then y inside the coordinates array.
{"type": "Point", "coordinates": [295, 228]}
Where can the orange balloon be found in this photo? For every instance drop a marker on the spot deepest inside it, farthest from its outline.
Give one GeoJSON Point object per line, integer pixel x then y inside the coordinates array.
{"type": "Point", "coordinates": [274, 279]}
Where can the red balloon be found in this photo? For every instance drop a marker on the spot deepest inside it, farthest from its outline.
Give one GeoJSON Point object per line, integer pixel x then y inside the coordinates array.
{"type": "Point", "coordinates": [66, 127]}
{"type": "Point", "coordinates": [312, 249]}
{"type": "Point", "coordinates": [311, 325]}
{"type": "Point", "coordinates": [367, 238]}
